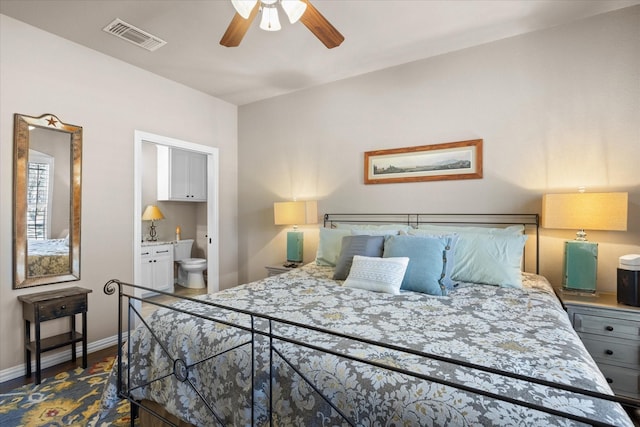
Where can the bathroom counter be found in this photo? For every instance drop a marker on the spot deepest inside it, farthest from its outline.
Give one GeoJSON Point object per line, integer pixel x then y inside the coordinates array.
{"type": "Point", "coordinates": [156, 243]}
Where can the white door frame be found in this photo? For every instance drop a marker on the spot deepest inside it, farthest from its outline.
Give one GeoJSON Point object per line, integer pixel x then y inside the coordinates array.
{"type": "Point", "coordinates": [213, 275]}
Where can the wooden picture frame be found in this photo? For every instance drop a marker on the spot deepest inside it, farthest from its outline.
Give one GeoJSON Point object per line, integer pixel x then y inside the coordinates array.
{"type": "Point", "coordinates": [437, 162]}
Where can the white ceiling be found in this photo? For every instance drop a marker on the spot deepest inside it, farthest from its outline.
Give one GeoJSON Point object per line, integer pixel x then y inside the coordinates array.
{"type": "Point", "coordinates": [378, 34]}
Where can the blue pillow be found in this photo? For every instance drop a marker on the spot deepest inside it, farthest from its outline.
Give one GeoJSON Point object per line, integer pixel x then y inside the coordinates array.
{"type": "Point", "coordinates": [491, 256]}
{"type": "Point", "coordinates": [450, 254]}
{"type": "Point", "coordinates": [426, 272]}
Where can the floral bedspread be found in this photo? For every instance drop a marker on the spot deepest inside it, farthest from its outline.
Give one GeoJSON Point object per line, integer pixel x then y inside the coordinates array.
{"type": "Point", "coordinates": [523, 331]}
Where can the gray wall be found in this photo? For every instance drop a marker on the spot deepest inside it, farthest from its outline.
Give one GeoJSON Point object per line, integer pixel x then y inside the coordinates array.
{"type": "Point", "coordinates": [42, 73]}
{"type": "Point", "coordinates": [557, 109]}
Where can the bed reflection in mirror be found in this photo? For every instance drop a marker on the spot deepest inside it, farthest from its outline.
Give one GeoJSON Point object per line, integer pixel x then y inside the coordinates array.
{"type": "Point", "coordinates": [46, 201]}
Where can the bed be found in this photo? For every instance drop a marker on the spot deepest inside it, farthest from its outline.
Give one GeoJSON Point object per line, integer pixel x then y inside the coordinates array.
{"type": "Point", "coordinates": [304, 348]}
{"type": "Point", "coordinates": [47, 257]}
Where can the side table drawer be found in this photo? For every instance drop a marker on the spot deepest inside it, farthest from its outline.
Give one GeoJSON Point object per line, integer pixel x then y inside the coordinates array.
{"type": "Point", "coordinates": [62, 307]}
{"type": "Point", "coordinates": [607, 326]}
{"type": "Point", "coordinates": [612, 350]}
{"type": "Point", "coordinates": [622, 380]}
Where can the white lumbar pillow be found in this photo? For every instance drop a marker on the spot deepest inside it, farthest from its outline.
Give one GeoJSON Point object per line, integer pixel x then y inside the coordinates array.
{"type": "Point", "coordinates": [377, 274]}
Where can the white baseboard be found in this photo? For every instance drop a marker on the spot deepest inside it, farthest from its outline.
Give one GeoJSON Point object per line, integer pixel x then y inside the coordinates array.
{"type": "Point", "coordinates": [57, 358]}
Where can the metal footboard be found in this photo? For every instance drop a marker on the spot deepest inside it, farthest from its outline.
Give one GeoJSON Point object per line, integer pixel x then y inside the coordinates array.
{"type": "Point", "coordinates": [257, 326]}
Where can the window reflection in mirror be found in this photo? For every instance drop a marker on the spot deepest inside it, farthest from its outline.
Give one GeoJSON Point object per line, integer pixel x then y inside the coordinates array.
{"type": "Point", "coordinates": [46, 201]}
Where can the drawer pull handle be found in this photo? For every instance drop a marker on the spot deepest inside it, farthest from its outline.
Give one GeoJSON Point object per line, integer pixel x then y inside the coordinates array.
{"type": "Point", "coordinates": [609, 380]}
{"type": "Point", "coordinates": [609, 352]}
{"type": "Point", "coordinates": [609, 328]}
{"type": "Point", "coordinates": [63, 307]}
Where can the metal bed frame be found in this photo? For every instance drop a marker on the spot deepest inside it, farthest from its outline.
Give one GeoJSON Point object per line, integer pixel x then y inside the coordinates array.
{"type": "Point", "coordinates": [262, 326]}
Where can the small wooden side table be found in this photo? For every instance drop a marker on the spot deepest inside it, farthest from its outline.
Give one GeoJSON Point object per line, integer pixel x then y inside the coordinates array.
{"type": "Point", "coordinates": [43, 306]}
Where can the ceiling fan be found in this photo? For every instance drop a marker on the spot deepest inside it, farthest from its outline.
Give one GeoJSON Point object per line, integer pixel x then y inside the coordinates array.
{"type": "Point", "coordinates": [303, 10]}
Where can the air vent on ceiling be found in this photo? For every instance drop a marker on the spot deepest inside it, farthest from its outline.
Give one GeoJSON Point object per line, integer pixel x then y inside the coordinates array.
{"type": "Point", "coordinates": [128, 32]}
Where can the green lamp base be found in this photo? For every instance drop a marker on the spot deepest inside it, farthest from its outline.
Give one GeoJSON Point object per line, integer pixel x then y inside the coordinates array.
{"type": "Point", "coordinates": [580, 266]}
{"type": "Point", "coordinates": [295, 243]}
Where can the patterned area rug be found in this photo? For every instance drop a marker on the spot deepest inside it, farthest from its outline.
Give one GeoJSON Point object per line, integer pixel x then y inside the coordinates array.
{"type": "Point", "coordinates": [68, 399]}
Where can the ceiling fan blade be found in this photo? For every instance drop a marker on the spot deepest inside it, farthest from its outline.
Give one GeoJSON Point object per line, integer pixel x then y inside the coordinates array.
{"type": "Point", "coordinates": [320, 27]}
{"type": "Point", "coordinates": [238, 28]}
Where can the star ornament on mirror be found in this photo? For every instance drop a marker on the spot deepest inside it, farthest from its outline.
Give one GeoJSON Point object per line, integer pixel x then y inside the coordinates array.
{"type": "Point", "coordinates": [52, 121]}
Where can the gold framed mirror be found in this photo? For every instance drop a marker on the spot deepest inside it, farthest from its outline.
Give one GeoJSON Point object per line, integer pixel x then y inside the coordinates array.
{"type": "Point", "coordinates": [47, 191]}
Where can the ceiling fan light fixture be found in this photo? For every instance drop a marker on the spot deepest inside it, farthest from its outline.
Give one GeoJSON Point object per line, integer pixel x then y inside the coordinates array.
{"type": "Point", "coordinates": [270, 20]}
{"type": "Point", "coordinates": [244, 7]}
{"type": "Point", "coordinates": [294, 9]}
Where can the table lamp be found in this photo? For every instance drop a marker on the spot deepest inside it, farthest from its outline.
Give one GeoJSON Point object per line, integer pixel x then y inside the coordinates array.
{"type": "Point", "coordinates": [295, 213]}
{"type": "Point", "coordinates": [152, 213]}
{"type": "Point", "coordinates": [583, 211]}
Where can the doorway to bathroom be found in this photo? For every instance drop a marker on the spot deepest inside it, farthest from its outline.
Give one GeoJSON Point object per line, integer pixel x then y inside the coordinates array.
{"type": "Point", "coordinates": [182, 219]}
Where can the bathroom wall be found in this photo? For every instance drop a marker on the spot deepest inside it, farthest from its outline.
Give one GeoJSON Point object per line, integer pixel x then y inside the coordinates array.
{"type": "Point", "coordinates": [176, 214]}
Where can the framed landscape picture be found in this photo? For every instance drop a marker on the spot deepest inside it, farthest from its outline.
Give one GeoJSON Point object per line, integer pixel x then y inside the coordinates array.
{"type": "Point", "coordinates": [452, 160]}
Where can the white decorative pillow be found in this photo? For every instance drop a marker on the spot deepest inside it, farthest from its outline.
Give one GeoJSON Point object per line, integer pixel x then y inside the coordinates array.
{"type": "Point", "coordinates": [377, 274]}
{"type": "Point", "coordinates": [329, 246]}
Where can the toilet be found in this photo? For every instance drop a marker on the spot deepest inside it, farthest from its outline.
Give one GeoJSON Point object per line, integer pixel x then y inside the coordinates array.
{"type": "Point", "coordinates": [189, 269]}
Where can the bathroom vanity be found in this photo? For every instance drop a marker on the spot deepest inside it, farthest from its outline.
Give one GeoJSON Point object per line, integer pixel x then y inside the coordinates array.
{"type": "Point", "coordinates": [157, 266]}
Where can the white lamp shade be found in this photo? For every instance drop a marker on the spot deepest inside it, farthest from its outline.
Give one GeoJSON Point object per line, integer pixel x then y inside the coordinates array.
{"type": "Point", "coordinates": [244, 7]}
{"type": "Point", "coordinates": [586, 211]}
{"type": "Point", "coordinates": [294, 9]}
{"type": "Point", "coordinates": [270, 20]}
{"type": "Point", "coordinates": [295, 213]}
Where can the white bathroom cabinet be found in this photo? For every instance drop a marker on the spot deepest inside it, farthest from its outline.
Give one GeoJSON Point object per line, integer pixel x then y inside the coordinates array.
{"type": "Point", "coordinates": [157, 267]}
{"type": "Point", "coordinates": [182, 175]}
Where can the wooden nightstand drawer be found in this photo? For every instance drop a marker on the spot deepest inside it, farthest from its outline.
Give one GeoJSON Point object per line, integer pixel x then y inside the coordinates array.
{"type": "Point", "coordinates": [611, 333]}
{"type": "Point", "coordinates": [622, 380]}
{"type": "Point", "coordinates": [612, 350]}
{"type": "Point", "coordinates": [62, 307]}
{"type": "Point", "coordinates": [606, 326]}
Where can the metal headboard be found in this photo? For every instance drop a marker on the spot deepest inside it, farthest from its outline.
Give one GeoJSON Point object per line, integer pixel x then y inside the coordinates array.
{"type": "Point", "coordinates": [530, 222]}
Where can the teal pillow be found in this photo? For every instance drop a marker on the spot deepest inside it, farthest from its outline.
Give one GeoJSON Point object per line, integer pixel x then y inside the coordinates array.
{"type": "Point", "coordinates": [450, 254]}
{"type": "Point", "coordinates": [329, 245]}
{"type": "Point", "coordinates": [493, 259]}
{"type": "Point", "coordinates": [426, 271]}
{"type": "Point", "coordinates": [438, 228]}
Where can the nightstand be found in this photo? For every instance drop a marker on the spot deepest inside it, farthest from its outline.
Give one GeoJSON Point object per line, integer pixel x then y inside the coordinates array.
{"type": "Point", "coordinates": [611, 333]}
{"type": "Point", "coordinates": [274, 270]}
{"type": "Point", "coordinates": [43, 306]}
